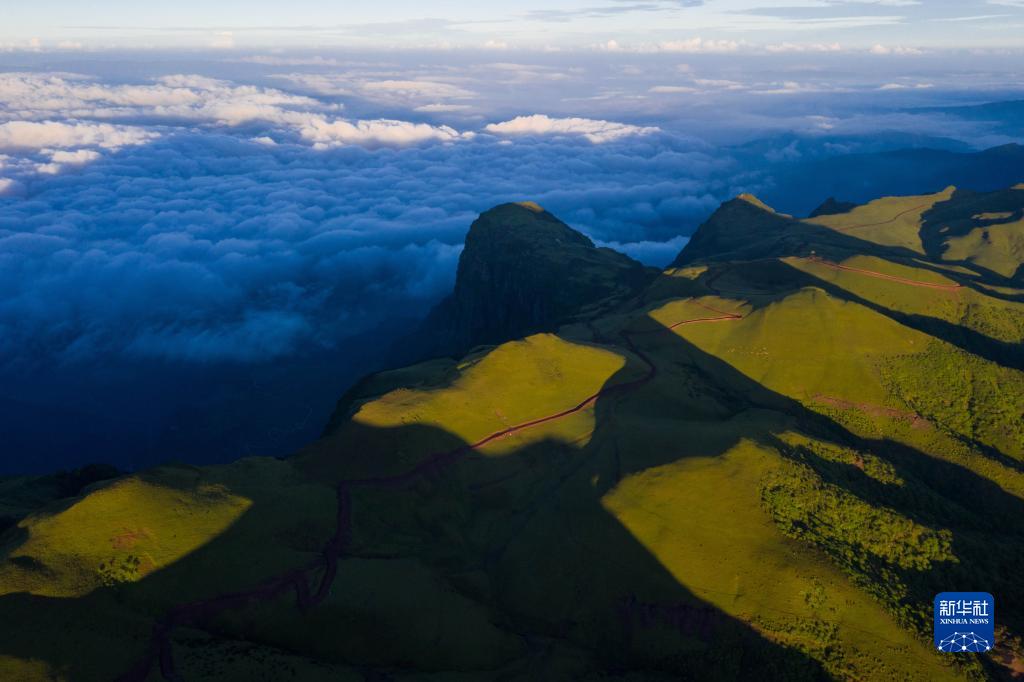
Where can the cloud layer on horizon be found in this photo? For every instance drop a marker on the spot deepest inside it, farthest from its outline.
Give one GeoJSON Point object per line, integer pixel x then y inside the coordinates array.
{"type": "Point", "coordinates": [205, 247]}
{"type": "Point", "coordinates": [196, 220]}
{"type": "Point", "coordinates": [204, 219]}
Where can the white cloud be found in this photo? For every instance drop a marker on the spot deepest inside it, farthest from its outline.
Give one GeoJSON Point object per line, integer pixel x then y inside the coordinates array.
{"type": "Point", "coordinates": [973, 17]}
{"type": "Point", "coordinates": [8, 187]}
{"type": "Point", "coordinates": [390, 90]}
{"type": "Point", "coordinates": [274, 60]}
{"type": "Point", "coordinates": [672, 89]}
{"type": "Point", "coordinates": [30, 102]}
{"type": "Point", "coordinates": [223, 40]}
{"type": "Point", "coordinates": [202, 246]}
{"type": "Point", "coordinates": [719, 84]}
{"type": "Point", "coordinates": [77, 157]}
{"type": "Point", "coordinates": [906, 86]}
{"type": "Point", "coordinates": [60, 158]}
{"type": "Point", "coordinates": [895, 50]}
{"type": "Point", "coordinates": [31, 135]}
{"type": "Point", "coordinates": [699, 45]}
{"type": "Point", "coordinates": [696, 45]}
{"type": "Point", "coordinates": [520, 74]}
{"type": "Point", "coordinates": [438, 108]}
{"type": "Point", "coordinates": [803, 47]}
{"type": "Point", "coordinates": [324, 133]}
{"type": "Point", "coordinates": [795, 88]}
{"type": "Point", "coordinates": [320, 84]}
{"type": "Point", "coordinates": [701, 85]}
{"type": "Point", "coordinates": [596, 131]}
{"type": "Point", "coordinates": [31, 96]}
{"type": "Point", "coordinates": [416, 89]}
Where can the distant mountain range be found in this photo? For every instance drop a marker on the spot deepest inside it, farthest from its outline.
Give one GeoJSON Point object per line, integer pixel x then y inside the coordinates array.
{"type": "Point", "coordinates": [799, 186]}
{"type": "Point", "coordinates": [760, 463]}
{"type": "Point", "coordinates": [1006, 116]}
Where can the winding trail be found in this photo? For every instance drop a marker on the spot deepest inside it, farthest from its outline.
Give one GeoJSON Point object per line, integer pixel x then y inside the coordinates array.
{"type": "Point", "coordinates": [882, 275]}
{"type": "Point", "coordinates": [878, 224]}
{"type": "Point", "coordinates": [197, 613]}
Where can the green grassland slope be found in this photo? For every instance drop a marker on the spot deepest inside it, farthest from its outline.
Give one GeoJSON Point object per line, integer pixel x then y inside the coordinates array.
{"type": "Point", "coordinates": [762, 463]}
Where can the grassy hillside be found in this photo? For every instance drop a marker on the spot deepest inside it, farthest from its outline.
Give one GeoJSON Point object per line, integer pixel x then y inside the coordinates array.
{"type": "Point", "coordinates": [892, 221]}
{"type": "Point", "coordinates": [83, 574]}
{"type": "Point", "coordinates": [983, 232]}
{"type": "Point", "coordinates": [997, 246]}
{"type": "Point", "coordinates": [763, 468]}
{"type": "Point", "coordinates": [21, 495]}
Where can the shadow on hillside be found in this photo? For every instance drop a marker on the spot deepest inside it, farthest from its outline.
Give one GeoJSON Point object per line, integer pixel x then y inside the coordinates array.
{"type": "Point", "coordinates": [771, 280]}
{"type": "Point", "coordinates": [638, 599]}
{"type": "Point", "coordinates": [959, 216]}
{"type": "Point", "coordinates": [561, 574]}
{"type": "Point", "coordinates": [760, 235]}
{"type": "Point", "coordinates": [793, 279]}
{"type": "Point", "coordinates": [945, 214]}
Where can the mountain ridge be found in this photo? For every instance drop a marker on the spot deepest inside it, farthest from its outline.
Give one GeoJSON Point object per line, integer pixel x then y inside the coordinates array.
{"type": "Point", "coordinates": [763, 461]}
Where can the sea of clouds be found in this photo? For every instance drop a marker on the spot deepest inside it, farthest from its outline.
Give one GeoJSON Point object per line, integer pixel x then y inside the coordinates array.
{"type": "Point", "coordinates": [242, 210]}
{"type": "Point", "coordinates": [200, 219]}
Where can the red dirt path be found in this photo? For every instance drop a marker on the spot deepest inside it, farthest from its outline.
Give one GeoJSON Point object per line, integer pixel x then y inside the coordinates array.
{"type": "Point", "coordinates": [195, 613]}
{"type": "Point", "coordinates": [882, 275]}
{"type": "Point", "coordinates": [298, 579]}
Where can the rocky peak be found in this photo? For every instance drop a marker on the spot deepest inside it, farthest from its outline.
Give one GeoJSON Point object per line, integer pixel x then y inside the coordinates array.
{"type": "Point", "coordinates": [524, 271]}
{"type": "Point", "coordinates": [832, 206]}
{"type": "Point", "coordinates": [735, 227]}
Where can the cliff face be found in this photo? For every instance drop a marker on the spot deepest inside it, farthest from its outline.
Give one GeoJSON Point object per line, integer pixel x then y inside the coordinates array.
{"type": "Point", "coordinates": [523, 271]}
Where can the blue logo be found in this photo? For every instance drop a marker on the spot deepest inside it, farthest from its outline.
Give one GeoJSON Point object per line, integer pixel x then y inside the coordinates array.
{"type": "Point", "coordinates": [965, 622]}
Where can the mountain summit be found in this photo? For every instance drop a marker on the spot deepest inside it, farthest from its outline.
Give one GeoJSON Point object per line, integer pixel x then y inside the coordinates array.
{"type": "Point", "coordinates": [832, 206]}
{"type": "Point", "coordinates": [523, 271]}
{"type": "Point", "coordinates": [740, 228]}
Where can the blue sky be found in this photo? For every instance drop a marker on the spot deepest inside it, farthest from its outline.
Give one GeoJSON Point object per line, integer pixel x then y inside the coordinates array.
{"type": "Point", "coordinates": [625, 24]}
